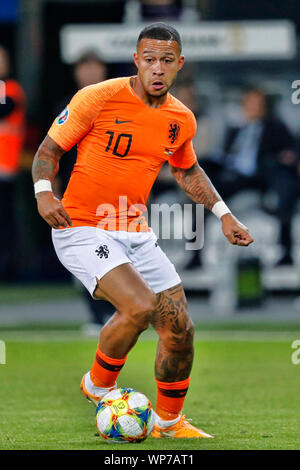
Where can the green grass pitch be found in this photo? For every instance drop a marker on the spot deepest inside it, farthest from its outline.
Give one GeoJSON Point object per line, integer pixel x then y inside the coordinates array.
{"type": "Point", "coordinates": [245, 393]}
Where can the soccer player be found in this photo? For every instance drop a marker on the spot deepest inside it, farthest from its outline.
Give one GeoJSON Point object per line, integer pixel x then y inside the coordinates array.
{"type": "Point", "coordinates": [126, 129]}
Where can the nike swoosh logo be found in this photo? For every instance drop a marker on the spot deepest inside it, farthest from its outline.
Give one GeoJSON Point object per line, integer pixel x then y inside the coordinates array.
{"type": "Point", "coordinates": [168, 433]}
{"type": "Point", "coordinates": [120, 122]}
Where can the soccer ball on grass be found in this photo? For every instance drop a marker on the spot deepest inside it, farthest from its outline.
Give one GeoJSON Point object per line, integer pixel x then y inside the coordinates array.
{"type": "Point", "coordinates": [125, 415]}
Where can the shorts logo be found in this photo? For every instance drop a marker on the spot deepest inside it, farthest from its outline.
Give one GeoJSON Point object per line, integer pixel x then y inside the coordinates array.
{"type": "Point", "coordinates": [62, 117]}
{"type": "Point", "coordinates": [173, 131]}
{"type": "Point", "coordinates": [102, 251]}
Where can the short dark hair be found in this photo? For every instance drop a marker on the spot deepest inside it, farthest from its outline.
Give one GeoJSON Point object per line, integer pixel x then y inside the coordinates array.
{"type": "Point", "coordinates": [161, 31]}
{"type": "Point", "coordinates": [269, 100]}
{"type": "Point", "coordinates": [254, 89]}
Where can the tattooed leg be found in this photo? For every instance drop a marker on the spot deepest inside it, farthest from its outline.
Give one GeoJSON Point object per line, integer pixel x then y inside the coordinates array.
{"type": "Point", "coordinates": [175, 350]}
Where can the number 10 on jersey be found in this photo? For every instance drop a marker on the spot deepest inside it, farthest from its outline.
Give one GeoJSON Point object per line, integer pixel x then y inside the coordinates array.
{"type": "Point", "coordinates": [115, 142]}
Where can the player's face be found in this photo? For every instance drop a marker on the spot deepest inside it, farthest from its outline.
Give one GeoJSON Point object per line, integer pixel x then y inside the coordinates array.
{"type": "Point", "coordinates": [254, 106]}
{"type": "Point", "coordinates": [158, 63]}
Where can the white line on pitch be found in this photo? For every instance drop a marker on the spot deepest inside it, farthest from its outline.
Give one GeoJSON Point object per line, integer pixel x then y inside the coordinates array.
{"type": "Point", "coordinates": [228, 335]}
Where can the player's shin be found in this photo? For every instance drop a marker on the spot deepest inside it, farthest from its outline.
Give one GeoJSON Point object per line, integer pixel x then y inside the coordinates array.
{"type": "Point", "coordinates": [172, 370]}
{"type": "Point", "coordinates": [117, 338]}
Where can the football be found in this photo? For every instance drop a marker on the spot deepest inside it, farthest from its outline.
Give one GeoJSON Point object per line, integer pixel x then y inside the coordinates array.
{"type": "Point", "coordinates": [125, 415]}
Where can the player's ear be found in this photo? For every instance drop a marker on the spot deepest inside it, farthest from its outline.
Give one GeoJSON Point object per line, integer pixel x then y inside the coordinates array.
{"type": "Point", "coordinates": [180, 62]}
{"type": "Point", "coordinates": [135, 58]}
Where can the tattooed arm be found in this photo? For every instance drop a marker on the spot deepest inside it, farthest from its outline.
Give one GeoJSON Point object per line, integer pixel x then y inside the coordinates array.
{"type": "Point", "coordinates": [197, 185]}
{"type": "Point", "coordinates": [45, 166]}
{"type": "Point", "coordinates": [199, 188]}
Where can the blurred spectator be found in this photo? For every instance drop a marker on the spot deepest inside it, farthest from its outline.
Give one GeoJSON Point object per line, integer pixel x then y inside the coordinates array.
{"type": "Point", "coordinates": [12, 118]}
{"type": "Point", "coordinates": [202, 140]}
{"type": "Point", "coordinates": [259, 155]}
{"type": "Point", "coordinates": [153, 10]}
{"type": "Point", "coordinates": [88, 70]}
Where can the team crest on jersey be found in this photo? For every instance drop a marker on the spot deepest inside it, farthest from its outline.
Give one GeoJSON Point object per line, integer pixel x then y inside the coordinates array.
{"type": "Point", "coordinates": [173, 131]}
{"type": "Point", "coordinates": [102, 250]}
{"type": "Point", "coordinates": [62, 117]}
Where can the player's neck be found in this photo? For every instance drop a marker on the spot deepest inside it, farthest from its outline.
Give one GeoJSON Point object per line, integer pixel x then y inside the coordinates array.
{"type": "Point", "coordinates": [151, 101]}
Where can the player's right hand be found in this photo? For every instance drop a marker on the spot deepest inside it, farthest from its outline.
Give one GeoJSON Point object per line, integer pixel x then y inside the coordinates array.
{"type": "Point", "coordinates": [52, 210]}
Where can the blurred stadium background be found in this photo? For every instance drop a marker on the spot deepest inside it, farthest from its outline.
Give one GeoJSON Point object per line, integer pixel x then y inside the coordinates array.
{"type": "Point", "coordinates": [229, 46]}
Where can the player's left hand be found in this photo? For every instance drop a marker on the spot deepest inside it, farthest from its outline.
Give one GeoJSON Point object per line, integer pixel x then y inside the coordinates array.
{"type": "Point", "coordinates": [235, 232]}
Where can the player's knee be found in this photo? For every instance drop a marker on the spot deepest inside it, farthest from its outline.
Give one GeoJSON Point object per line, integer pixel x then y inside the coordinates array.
{"type": "Point", "coordinates": [140, 312]}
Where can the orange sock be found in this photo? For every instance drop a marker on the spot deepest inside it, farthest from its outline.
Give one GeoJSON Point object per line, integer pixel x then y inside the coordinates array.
{"type": "Point", "coordinates": [170, 398]}
{"type": "Point", "coordinates": [105, 369]}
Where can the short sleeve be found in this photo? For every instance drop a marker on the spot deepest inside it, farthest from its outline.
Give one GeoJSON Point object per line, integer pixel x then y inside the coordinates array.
{"type": "Point", "coordinates": [76, 120]}
{"type": "Point", "coordinates": [185, 156]}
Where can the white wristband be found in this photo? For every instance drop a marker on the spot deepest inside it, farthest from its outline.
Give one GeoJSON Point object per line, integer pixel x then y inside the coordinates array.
{"type": "Point", "coordinates": [220, 209]}
{"type": "Point", "coordinates": [42, 185]}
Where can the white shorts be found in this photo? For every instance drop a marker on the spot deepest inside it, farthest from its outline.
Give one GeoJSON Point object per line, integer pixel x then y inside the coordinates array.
{"type": "Point", "coordinates": [89, 253]}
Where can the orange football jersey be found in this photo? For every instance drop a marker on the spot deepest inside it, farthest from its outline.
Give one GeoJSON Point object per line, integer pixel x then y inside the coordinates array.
{"type": "Point", "coordinates": [122, 145]}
